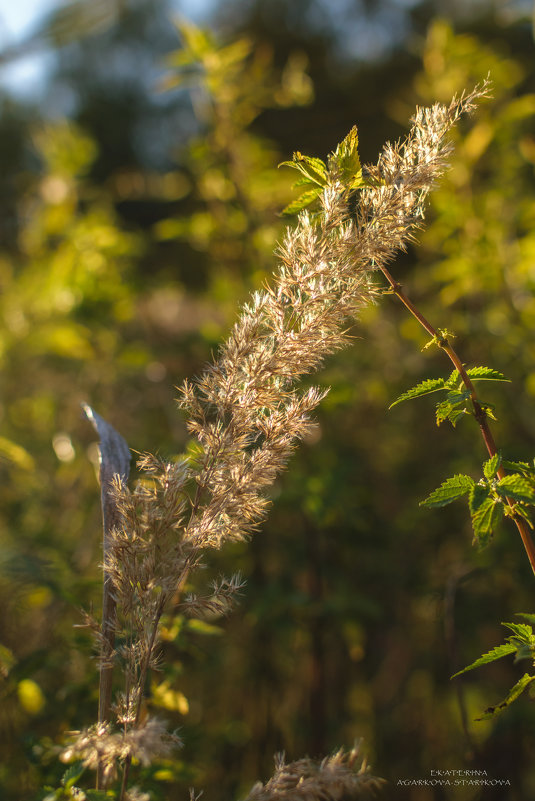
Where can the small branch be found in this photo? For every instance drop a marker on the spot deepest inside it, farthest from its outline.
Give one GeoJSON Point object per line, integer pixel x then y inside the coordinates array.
{"type": "Point", "coordinates": [479, 413]}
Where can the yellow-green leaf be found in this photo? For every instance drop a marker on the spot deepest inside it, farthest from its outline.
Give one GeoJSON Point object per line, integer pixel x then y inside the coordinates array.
{"type": "Point", "coordinates": [491, 656]}
{"type": "Point", "coordinates": [164, 696]}
{"type": "Point", "coordinates": [513, 694]}
{"type": "Point", "coordinates": [16, 454]}
{"type": "Point", "coordinates": [302, 202]}
{"type": "Point", "coordinates": [450, 490]}
{"type": "Point", "coordinates": [312, 168]}
{"type": "Point", "coordinates": [348, 160]}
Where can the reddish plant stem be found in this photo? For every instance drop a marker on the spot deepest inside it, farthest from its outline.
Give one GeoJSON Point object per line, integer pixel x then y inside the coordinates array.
{"type": "Point", "coordinates": [479, 412]}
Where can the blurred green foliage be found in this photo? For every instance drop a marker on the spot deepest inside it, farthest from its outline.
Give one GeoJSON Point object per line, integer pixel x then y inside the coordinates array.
{"type": "Point", "coordinates": [359, 604]}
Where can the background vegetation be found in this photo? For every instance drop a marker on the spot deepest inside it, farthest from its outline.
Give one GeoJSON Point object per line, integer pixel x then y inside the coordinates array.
{"type": "Point", "coordinates": [139, 205]}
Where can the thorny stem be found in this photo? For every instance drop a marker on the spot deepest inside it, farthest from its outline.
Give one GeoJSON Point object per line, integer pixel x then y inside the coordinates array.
{"type": "Point", "coordinates": [479, 412]}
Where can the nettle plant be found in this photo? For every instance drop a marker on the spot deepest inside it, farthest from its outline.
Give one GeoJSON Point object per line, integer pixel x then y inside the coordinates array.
{"type": "Point", "coordinates": [245, 415]}
{"type": "Point", "coordinates": [495, 495]}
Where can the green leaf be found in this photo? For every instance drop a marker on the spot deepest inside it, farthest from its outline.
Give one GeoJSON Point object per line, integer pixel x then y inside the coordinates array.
{"type": "Point", "coordinates": [486, 374]}
{"type": "Point", "coordinates": [448, 411]}
{"type": "Point", "coordinates": [517, 488]}
{"type": "Point", "coordinates": [450, 490]}
{"type": "Point", "coordinates": [522, 511]}
{"type": "Point", "coordinates": [455, 415]}
{"type": "Point", "coordinates": [202, 627]}
{"type": "Point", "coordinates": [359, 182]}
{"type": "Point", "coordinates": [525, 652]}
{"type": "Point", "coordinates": [522, 631]}
{"type": "Point", "coordinates": [348, 161]}
{"type": "Point", "coordinates": [454, 380]}
{"type": "Point", "coordinates": [312, 168]}
{"type": "Point", "coordinates": [302, 182]}
{"type": "Point", "coordinates": [7, 661]}
{"type": "Point", "coordinates": [424, 388]}
{"type": "Point", "coordinates": [72, 774]}
{"type": "Point", "coordinates": [302, 201]}
{"type": "Point", "coordinates": [490, 656]}
{"type": "Point", "coordinates": [488, 408]}
{"type": "Point", "coordinates": [478, 495]}
{"type": "Point", "coordinates": [485, 512]}
{"type": "Point", "coordinates": [491, 467]}
{"type": "Point", "coordinates": [16, 454]}
{"type": "Point", "coordinates": [521, 467]}
{"type": "Point", "coordinates": [234, 53]}
{"type": "Point", "coordinates": [527, 616]}
{"type": "Point", "coordinates": [51, 794]}
{"type": "Point", "coordinates": [456, 396]}
{"type": "Point", "coordinates": [519, 688]}
{"type": "Point", "coordinates": [485, 520]}
{"type": "Point", "coordinates": [196, 40]}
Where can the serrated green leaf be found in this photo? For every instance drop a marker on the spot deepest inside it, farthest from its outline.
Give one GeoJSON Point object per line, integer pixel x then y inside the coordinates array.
{"type": "Point", "coordinates": [522, 631]}
{"type": "Point", "coordinates": [312, 163]}
{"type": "Point", "coordinates": [513, 694]}
{"type": "Point", "coordinates": [303, 182]}
{"type": "Point", "coordinates": [312, 168]}
{"type": "Point", "coordinates": [443, 411]}
{"type": "Point", "coordinates": [516, 487]}
{"type": "Point", "coordinates": [491, 467]}
{"type": "Point", "coordinates": [525, 652]}
{"type": "Point", "coordinates": [51, 794]}
{"type": "Point", "coordinates": [449, 409]}
{"type": "Point", "coordinates": [348, 161]}
{"type": "Point", "coordinates": [490, 656]}
{"type": "Point", "coordinates": [522, 467]}
{"type": "Point", "coordinates": [424, 388]}
{"type": "Point", "coordinates": [359, 181]}
{"type": "Point", "coordinates": [486, 374]}
{"type": "Point", "coordinates": [478, 495]}
{"type": "Point", "coordinates": [302, 202]}
{"type": "Point", "coordinates": [455, 415]}
{"type": "Point", "coordinates": [456, 396]}
{"type": "Point", "coordinates": [454, 380]}
{"type": "Point", "coordinates": [523, 512]}
{"type": "Point", "coordinates": [488, 408]}
{"type": "Point", "coordinates": [485, 513]}
{"type": "Point", "coordinates": [485, 520]}
{"type": "Point", "coordinates": [527, 616]}
{"type": "Point", "coordinates": [72, 774]}
{"type": "Point", "coordinates": [450, 490]}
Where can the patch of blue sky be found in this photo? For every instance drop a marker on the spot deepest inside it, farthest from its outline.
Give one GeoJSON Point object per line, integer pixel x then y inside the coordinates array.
{"type": "Point", "coordinates": [25, 73]}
